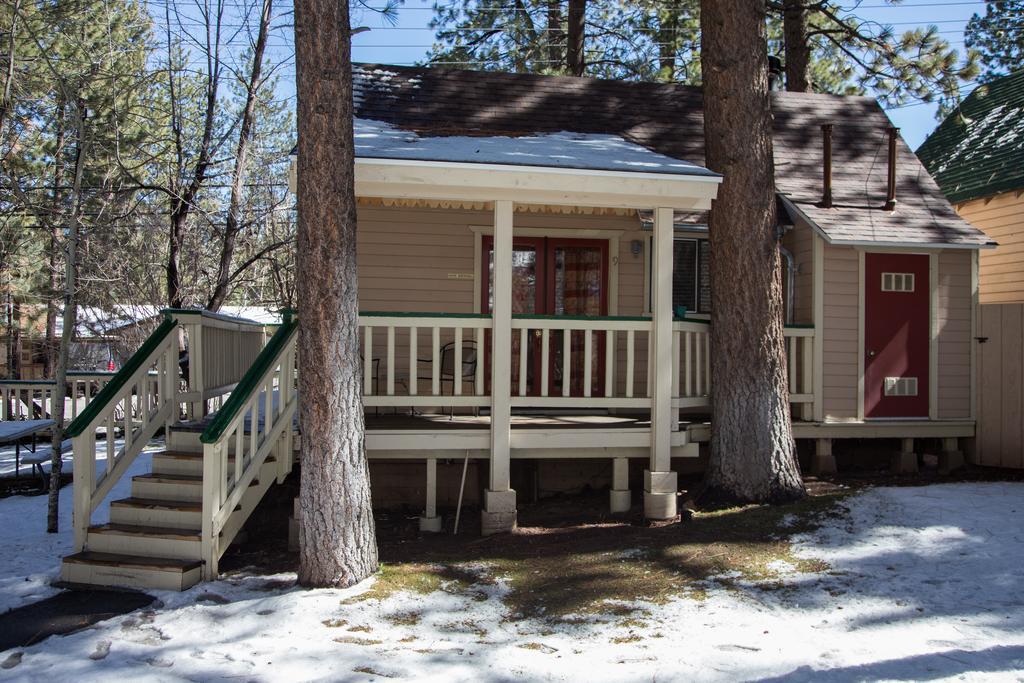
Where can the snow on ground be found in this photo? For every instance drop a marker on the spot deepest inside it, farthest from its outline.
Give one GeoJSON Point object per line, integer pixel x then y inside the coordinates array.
{"type": "Point", "coordinates": [30, 557]}
{"type": "Point", "coordinates": [923, 584]}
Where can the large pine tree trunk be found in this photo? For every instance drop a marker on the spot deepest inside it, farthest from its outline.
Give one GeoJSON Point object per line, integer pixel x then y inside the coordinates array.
{"type": "Point", "coordinates": [336, 539]}
{"type": "Point", "coordinates": [752, 449]}
{"type": "Point", "coordinates": [574, 42]}
{"type": "Point", "coordinates": [798, 47]}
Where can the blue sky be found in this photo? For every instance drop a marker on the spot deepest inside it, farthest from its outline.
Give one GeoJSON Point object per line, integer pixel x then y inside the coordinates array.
{"type": "Point", "coordinates": [408, 41]}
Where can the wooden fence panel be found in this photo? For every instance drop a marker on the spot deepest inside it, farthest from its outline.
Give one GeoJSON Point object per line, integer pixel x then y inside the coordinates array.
{"type": "Point", "coordinates": [1000, 368]}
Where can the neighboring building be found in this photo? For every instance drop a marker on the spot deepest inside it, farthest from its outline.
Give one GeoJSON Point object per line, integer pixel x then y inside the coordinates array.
{"type": "Point", "coordinates": [977, 157]}
{"type": "Point", "coordinates": [526, 247]}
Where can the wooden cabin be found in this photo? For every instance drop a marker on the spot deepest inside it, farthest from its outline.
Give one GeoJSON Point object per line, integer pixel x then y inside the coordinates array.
{"type": "Point", "coordinates": [533, 280]}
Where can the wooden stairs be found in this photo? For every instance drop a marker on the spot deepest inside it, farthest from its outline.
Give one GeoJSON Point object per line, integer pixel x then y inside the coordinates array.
{"type": "Point", "coordinates": [154, 537]}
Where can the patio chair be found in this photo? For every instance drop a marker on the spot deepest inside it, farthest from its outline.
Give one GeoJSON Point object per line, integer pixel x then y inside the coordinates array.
{"type": "Point", "coordinates": [448, 372]}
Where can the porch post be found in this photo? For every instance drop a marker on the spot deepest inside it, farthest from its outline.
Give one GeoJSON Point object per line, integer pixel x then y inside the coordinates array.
{"type": "Point", "coordinates": [499, 512]}
{"type": "Point", "coordinates": [660, 482]}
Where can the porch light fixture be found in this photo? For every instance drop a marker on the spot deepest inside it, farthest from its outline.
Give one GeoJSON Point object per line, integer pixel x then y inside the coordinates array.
{"type": "Point", "coordinates": [636, 247]}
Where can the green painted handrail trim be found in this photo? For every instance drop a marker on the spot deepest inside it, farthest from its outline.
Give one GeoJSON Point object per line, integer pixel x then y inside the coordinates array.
{"type": "Point", "coordinates": [247, 385]}
{"type": "Point", "coordinates": [113, 388]}
{"type": "Point", "coordinates": [799, 326]}
{"type": "Point", "coordinates": [408, 314]}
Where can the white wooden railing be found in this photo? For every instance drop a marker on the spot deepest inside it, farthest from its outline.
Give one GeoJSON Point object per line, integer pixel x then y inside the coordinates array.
{"type": "Point", "coordinates": [255, 422]}
{"type": "Point", "coordinates": [157, 406]}
{"type": "Point", "coordinates": [30, 399]}
{"type": "Point", "coordinates": [411, 359]}
{"type": "Point", "coordinates": [604, 360]}
{"type": "Point", "coordinates": [691, 345]}
{"type": "Point", "coordinates": [221, 349]}
{"type": "Point", "coordinates": [601, 359]}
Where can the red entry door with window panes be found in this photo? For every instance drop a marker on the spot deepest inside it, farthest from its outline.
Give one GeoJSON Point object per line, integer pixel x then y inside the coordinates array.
{"type": "Point", "coordinates": [896, 335]}
{"type": "Point", "coordinates": [554, 276]}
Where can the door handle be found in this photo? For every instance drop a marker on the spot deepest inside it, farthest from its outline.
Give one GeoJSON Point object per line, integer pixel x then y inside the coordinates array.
{"type": "Point", "coordinates": [871, 354]}
{"type": "Point", "coordinates": [536, 333]}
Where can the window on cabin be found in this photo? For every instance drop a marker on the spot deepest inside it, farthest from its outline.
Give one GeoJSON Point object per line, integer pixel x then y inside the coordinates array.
{"type": "Point", "coordinates": [691, 275]}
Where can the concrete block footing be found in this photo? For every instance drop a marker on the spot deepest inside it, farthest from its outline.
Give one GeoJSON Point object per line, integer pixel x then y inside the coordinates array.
{"type": "Point", "coordinates": [430, 524]}
{"type": "Point", "coordinates": [620, 500]}
{"type": "Point", "coordinates": [499, 512]}
{"type": "Point", "coordinates": [904, 463]}
{"type": "Point", "coordinates": [660, 505]}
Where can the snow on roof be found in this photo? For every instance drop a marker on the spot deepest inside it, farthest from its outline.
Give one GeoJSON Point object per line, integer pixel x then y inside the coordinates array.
{"type": "Point", "coordinates": [102, 322]}
{"type": "Point", "coordinates": [586, 151]}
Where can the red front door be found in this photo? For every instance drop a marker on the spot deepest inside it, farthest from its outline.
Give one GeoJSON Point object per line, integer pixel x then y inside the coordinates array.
{"type": "Point", "coordinates": [896, 332]}
{"type": "Point", "coordinates": [555, 277]}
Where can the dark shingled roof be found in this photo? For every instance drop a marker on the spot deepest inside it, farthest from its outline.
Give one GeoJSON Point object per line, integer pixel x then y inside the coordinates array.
{"type": "Point", "coordinates": [978, 151]}
{"type": "Point", "coordinates": [668, 118]}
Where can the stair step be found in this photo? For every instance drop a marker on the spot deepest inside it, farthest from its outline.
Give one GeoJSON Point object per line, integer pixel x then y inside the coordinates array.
{"type": "Point", "coordinates": [145, 541]}
{"type": "Point", "coordinates": [130, 571]}
{"type": "Point", "coordinates": [178, 487]}
{"type": "Point", "coordinates": [182, 514]}
{"type": "Point", "coordinates": [185, 463]}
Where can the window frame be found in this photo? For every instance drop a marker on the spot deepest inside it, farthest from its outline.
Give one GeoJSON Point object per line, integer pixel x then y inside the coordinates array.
{"type": "Point", "coordinates": [699, 238]}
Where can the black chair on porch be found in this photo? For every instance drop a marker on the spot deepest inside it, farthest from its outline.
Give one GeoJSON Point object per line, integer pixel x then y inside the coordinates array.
{"type": "Point", "coordinates": [447, 372]}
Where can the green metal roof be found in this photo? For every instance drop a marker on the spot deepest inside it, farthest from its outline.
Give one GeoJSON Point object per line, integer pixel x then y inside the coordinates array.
{"type": "Point", "coordinates": [978, 151]}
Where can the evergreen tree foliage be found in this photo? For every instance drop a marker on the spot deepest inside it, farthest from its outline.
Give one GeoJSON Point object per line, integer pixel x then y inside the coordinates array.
{"type": "Point", "coordinates": [998, 36]}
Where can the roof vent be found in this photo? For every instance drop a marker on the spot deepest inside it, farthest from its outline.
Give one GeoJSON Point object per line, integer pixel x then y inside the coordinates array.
{"type": "Point", "coordinates": [826, 184]}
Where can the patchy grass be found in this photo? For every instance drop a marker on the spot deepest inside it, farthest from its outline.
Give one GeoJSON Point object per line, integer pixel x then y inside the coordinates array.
{"type": "Point", "coordinates": [353, 640]}
{"type": "Point", "coordinates": [404, 618]}
{"type": "Point", "coordinates": [609, 569]}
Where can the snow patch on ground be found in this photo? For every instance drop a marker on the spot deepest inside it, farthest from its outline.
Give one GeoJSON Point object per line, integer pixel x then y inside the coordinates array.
{"type": "Point", "coordinates": [923, 584]}
{"type": "Point", "coordinates": [30, 557]}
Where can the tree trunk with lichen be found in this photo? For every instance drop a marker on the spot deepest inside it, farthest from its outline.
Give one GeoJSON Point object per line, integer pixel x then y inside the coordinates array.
{"type": "Point", "coordinates": [337, 543]}
{"type": "Point", "coordinates": [753, 455]}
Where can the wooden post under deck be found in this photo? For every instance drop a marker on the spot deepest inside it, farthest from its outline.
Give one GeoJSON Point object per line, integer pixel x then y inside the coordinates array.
{"type": "Point", "coordinates": [499, 511]}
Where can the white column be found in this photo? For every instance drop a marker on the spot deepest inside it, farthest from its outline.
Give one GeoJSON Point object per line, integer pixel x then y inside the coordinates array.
{"type": "Point", "coordinates": [431, 521]}
{"type": "Point", "coordinates": [660, 485]}
{"type": "Point", "coordinates": [499, 513]}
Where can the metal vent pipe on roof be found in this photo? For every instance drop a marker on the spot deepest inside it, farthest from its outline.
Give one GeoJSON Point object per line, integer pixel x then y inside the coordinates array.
{"type": "Point", "coordinates": [890, 193]}
{"type": "Point", "coordinates": [826, 189]}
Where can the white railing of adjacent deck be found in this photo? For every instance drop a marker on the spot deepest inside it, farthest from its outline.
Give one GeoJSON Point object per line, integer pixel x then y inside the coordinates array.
{"type": "Point", "coordinates": [33, 399]}
{"type": "Point", "coordinates": [254, 423]}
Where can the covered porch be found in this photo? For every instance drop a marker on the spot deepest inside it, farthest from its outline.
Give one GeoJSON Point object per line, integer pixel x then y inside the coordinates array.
{"type": "Point", "coordinates": [504, 380]}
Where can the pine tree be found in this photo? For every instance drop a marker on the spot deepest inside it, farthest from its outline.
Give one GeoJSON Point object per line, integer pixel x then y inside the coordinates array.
{"type": "Point", "coordinates": [998, 36]}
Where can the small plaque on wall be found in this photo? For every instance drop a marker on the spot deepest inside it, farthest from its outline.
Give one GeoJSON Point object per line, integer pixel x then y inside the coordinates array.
{"type": "Point", "coordinates": [460, 276]}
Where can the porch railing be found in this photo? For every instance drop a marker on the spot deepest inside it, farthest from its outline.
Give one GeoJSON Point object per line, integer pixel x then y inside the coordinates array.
{"type": "Point", "coordinates": [410, 360]}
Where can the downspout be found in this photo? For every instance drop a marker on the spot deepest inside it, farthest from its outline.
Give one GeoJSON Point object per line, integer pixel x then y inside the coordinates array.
{"type": "Point", "coordinates": [790, 282]}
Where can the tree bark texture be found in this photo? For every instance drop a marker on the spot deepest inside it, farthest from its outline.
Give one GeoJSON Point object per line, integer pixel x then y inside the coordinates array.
{"type": "Point", "coordinates": [797, 46]}
{"type": "Point", "coordinates": [337, 537]}
{"type": "Point", "coordinates": [574, 60]}
{"type": "Point", "coordinates": [753, 456]}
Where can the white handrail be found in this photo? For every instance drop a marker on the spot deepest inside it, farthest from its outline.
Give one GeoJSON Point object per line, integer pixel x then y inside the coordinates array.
{"type": "Point", "coordinates": [146, 402]}
{"type": "Point", "coordinates": [261, 426]}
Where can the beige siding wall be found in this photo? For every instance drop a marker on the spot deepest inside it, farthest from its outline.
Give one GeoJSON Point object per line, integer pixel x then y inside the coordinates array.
{"type": "Point", "coordinates": [800, 241]}
{"type": "Point", "coordinates": [1001, 273]}
{"type": "Point", "coordinates": [953, 324]}
{"type": "Point", "coordinates": [841, 297]}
